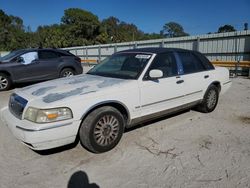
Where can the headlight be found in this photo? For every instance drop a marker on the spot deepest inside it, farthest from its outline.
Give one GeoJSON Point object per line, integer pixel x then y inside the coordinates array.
{"type": "Point", "coordinates": [47, 115]}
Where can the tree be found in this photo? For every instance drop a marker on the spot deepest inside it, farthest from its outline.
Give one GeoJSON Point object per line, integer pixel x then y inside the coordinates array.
{"type": "Point", "coordinates": [12, 33]}
{"type": "Point", "coordinates": [226, 28]}
{"type": "Point", "coordinates": [173, 29]}
{"type": "Point", "coordinates": [51, 36]}
{"type": "Point", "coordinates": [103, 38]}
{"type": "Point", "coordinates": [245, 26]}
{"type": "Point", "coordinates": [80, 24]}
{"type": "Point", "coordinates": [78, 27]}
{"type": "Point", "coordinates": [110, 26]}
{"type": "Point", "coordinates": [148, 36]}
{"type": "Point", "coordinates": [128, 32]}
{"type": "Point", "coordinates": [119, 31]}
{"type": "Point", "coordinates": [5, 21]}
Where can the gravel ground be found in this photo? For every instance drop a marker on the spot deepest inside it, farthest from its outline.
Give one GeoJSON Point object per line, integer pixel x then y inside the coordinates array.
{"type": "Point", "coordinates": [190, 149]}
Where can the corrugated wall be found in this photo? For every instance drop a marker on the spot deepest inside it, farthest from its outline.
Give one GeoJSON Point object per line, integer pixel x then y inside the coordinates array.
{"type": "Point", "coordinates": [231, 46]}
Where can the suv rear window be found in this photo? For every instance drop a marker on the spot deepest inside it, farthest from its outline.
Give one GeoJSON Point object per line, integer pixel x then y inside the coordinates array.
{"type": "Point", "coordinates": [65, 53]}
{"type": "Point", "coordinates": [48, 55]}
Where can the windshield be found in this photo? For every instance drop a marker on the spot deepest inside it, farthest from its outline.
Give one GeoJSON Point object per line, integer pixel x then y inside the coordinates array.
{"type": "Point", "coordinates": [11, 55]}
{"type": "Point", "coordinates": [124, 65]}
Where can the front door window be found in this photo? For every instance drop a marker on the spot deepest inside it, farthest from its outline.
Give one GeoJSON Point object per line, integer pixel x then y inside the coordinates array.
{"type": "Point", "coordinates": [27, 58]}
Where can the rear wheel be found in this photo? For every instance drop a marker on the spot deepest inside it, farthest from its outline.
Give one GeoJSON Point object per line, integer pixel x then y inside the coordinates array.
{"type": "Point", "coordinates": [102, 129]}
{"type": "Point", "coordinates": [67, 72]}
{"type": "Point", "coordinates": [5, 82]}
{"type": "Point", "coordinates": [210, 100]}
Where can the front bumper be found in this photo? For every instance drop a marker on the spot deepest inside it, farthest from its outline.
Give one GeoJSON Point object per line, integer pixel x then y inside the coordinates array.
{"type": "Point", "coordinates": [41, 136]}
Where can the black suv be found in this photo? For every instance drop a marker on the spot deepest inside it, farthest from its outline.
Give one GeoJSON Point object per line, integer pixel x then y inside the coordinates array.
{"type": "Point", "coordinates": [32, 65]}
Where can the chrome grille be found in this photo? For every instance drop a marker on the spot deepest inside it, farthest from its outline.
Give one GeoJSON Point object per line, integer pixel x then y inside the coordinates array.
{"type": "Point", "coordinates": [17, 105]}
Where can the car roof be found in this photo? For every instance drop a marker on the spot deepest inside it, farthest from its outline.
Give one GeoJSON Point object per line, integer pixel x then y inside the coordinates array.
{"type": "Point", "coordinates": [41, 49]}
{"type": "Point", "coordinates": [44, 49]}
{"type": "Point", "coordinates": [154, 50]}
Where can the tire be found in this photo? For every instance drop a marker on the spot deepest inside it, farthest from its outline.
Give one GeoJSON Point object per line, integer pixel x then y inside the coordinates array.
{"type": "Point", "coordinates": [102, 129]}
{"type": "Point", "coordinates": [5, 82]}
{"type": "Point", "coordinates": [210, 100]}
{"type": "Point", "coordinates": [67, 72]}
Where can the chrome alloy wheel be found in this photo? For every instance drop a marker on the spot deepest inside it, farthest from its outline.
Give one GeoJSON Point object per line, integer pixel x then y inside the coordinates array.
{"type": "Point", "coordinates": [3, 82]}
{"type": "Point", "coordinates": [211, 99]}
{"type": "Point", "coordinates": [106, 130]}
{"type": "Point", "coordinates": [68, 74]}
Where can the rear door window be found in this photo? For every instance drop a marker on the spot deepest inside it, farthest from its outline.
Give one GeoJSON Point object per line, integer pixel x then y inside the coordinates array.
{"type": "Point", "coordinates": [205, 61]}
{"type": "Point", "coordinates": [43, 55]}
{"type": "Point", "coordinates": [190, 63]}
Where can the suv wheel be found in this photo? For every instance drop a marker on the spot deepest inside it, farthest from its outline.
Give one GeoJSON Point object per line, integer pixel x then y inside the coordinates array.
{"type": "Point", "coordinates": [210, 100]}
{"type": "Point", "coordinates": [67, 72]}
{"type": "Point", "coordinates": [5, 82]}
{"type": "Point", "coordinates": [102, 129]}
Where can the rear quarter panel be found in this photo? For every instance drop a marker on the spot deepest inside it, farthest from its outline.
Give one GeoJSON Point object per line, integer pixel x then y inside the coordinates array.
{"type": "Point", "coordinates": [70, 62]}
{"type": "Point", "coordinates": [221, 75]}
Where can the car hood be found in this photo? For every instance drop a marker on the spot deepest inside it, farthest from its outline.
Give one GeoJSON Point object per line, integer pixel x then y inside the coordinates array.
{"type": "Point", "coordinates": [66, 88]}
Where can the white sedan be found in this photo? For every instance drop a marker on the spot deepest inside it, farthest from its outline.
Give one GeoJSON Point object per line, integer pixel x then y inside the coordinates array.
{"type": "Point", "coordinates": [127, 88]}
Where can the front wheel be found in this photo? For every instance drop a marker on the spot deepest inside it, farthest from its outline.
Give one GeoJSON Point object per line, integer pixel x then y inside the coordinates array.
{"type": "Point", "coordinates": [5, 82]}
{"type": "Point", "coordinates": [102, 129]}
{"type": "Point", "coordinates": [67, 72]}
{"type": "Point", "coordinates": [210, 100]}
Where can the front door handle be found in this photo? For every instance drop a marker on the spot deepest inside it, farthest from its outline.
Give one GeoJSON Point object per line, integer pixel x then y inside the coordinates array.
{"type": "Point", "coordinates": [206, 76]}
{"type": "Point", "coordinates": [180, 81]}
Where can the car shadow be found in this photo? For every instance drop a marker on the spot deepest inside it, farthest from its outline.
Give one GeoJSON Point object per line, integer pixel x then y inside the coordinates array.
{"type": "Point", "coordinates": [80, 180]}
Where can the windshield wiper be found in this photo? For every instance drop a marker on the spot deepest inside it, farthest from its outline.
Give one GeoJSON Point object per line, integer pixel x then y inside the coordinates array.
{"type": "Point", "coordinates": [119, 76]}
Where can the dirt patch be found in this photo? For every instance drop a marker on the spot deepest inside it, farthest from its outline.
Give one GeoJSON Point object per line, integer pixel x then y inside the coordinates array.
{"type": "Point", "coordinates": [205, 142]}
{"type": "Point", "coordinates": [244, 119]}
{"type": "Point", "coordinates": [155, 149]}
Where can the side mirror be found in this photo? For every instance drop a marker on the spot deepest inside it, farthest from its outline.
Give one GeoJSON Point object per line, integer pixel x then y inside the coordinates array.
{"type": "Point", "coordinates": [155, 74]}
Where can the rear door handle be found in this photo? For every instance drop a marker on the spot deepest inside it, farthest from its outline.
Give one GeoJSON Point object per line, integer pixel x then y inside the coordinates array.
{"type": "Point", "coordinates": [180, 81]}
{"type": "Point", "coordinates": [206, 76]}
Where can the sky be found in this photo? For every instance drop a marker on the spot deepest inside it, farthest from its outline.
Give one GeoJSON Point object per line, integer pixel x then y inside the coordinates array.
{"type": "Point", "coordinates": [196, 16]}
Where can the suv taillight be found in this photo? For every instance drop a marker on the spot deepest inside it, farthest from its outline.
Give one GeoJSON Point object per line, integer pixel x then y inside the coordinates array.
{"type": "Point", "coordinates": [78, 59]}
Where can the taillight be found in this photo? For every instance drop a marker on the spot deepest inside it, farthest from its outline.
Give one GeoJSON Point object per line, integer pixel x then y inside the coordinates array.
{"type": "Point", "coordinates": [78, 59]}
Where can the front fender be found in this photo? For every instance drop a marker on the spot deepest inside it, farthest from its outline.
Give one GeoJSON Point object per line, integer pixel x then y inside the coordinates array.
{"type": "Point", "coordinates": [114, 103]}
